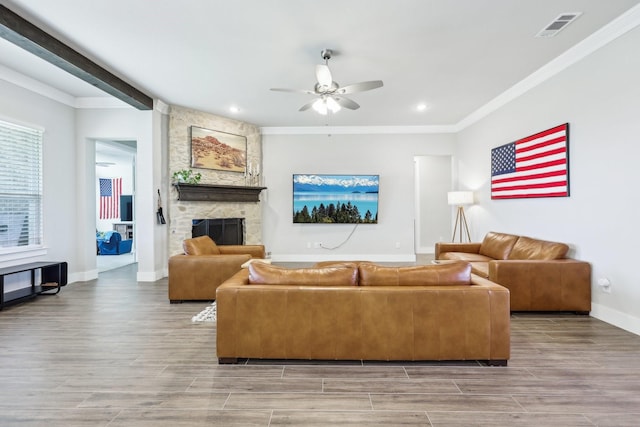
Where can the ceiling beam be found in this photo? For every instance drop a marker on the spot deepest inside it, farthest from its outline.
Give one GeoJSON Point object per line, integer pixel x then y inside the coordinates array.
{"type": "Point", "coordinates": [21, 32]}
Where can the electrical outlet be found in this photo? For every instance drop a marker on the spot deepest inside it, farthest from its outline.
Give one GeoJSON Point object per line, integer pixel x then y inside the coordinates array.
{"type": "Point", "coordinates": [308, 245]}
{"type": "Point", "coordinates": [397, 245]}
{"type": "Point", "coordinates": [605, 285]}
{"type": "Point", "coordinates": [317, 245]}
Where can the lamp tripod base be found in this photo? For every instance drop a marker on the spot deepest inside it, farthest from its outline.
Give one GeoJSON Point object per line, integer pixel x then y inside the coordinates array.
{"type": "Point", "coordinates": [461, 220]}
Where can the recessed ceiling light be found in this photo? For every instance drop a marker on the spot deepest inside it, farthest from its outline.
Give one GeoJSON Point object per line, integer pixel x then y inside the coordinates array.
{"type": "Point", "coordinates": [234, 109]}
{"type": "Point", "coordinates": [421, 107]}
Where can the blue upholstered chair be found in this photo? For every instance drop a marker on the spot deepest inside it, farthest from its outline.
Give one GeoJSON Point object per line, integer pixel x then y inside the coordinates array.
{"type": "Point", "coordinates": [112, 244]}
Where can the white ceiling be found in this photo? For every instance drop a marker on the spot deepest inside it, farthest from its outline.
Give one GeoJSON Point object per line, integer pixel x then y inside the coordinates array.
{"type": "Point", "coordinates": [453, 55]}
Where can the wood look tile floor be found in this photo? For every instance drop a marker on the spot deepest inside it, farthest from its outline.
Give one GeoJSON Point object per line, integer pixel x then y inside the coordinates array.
{"type": "Point", "coordinates": [113, 352]}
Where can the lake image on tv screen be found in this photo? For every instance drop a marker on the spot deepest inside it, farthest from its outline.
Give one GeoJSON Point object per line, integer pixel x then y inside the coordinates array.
{"type": "Point", "coordinates": [330, 199]}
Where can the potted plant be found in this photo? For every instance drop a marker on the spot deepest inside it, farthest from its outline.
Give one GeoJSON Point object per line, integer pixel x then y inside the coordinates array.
{"type": "Point", "coordinates": [186, 176]}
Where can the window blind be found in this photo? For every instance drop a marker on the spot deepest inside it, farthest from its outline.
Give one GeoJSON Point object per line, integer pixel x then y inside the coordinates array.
{"type": "Point", "coordinates": [20, 185]}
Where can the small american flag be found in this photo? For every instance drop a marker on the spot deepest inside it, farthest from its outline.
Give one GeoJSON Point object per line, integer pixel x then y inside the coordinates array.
{"type": "Point", "coordinates": [535, 166]}
{"type": "Point", "coordinates": [110, 191]}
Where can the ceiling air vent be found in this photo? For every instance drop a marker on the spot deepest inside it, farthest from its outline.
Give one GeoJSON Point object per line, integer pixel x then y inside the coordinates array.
{"type": "Point", "coordinates": [558, 24]}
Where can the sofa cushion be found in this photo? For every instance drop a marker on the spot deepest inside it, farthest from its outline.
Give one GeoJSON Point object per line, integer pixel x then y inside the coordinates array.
{"type": "Point", "coordinates": [446, 273]}
{"type": "Point", "coordinates": [202, 245]}
{"type": "Point", "coordinates": [465, 256]}
{"type": "Point", "coordinates": [339, 263]}
{"type": "Point", "coordinates": [481, 269]}
{"type": "Point", "coordinates": [265, 274]}
{"type": "Point", "coordinates": [528, 248]}
{"type": "Point", "coordinates": [497, 245]}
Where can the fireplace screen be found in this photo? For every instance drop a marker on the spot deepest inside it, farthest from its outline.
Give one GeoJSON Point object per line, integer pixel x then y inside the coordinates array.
{"type": "Point", "coordinates": [223, 231]}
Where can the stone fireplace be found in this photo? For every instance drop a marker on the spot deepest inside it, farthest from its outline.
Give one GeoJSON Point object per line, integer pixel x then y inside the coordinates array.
{"type": "Point", "coordinates": [182, 210]}
{"type": "Point", "coordinates": [182, 214]}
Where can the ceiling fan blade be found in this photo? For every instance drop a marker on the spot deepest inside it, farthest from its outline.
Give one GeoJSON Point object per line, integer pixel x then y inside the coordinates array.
{"type": "Point", "coordinates": [308, 92]}
{"type": "Point", "coordinates": [305, 107]}
{"type": "Point", "coordinates": [360, 87]}
{"type": "Point", "coordinates": [323, 75]}
{"type": "Point", "coordinates": [346, 103]}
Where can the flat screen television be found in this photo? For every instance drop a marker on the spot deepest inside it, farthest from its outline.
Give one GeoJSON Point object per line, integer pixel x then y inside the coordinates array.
{"type": "Point", "coordinates": [335, 199]}
{"type": "Point", "coordinates": [126, 207]}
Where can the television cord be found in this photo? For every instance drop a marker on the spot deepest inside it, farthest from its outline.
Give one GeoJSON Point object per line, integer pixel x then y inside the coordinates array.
{"type": "Point", "coordinates": [345, 240]}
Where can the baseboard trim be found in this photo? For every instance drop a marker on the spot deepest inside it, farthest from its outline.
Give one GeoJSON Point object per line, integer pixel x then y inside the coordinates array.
{"type": "Point", "coordinates": [150, 276]}
{"type": "Point", "coordinates": [426, 250]}
{"type": "Point", "coordinates": [616, 318]}
{"type": "Point", "coordinates": [354, 257]}
{"type": "Point", "coordinates": [82, 276]}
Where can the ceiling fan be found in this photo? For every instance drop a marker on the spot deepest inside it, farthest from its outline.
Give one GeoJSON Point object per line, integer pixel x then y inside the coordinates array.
{"type": "Point", "coordinates": [330, 94]}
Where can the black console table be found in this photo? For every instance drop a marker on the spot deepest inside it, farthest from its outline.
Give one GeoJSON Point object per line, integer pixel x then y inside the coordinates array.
{"type": "Point", "coordinates": [53, 275]}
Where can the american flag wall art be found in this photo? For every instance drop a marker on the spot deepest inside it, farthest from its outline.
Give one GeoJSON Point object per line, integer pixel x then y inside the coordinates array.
{"type": "Point", "coordinates": [110, 191]}
{"type": "Point", "coordinates": [535, 166]}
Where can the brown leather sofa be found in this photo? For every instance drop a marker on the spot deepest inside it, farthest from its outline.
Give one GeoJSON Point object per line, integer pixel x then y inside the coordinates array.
{"type": "Point", "coordinates": [196, 274]}
{"type": "Point", "coordinates": [536, 272]}
{"type": "Point", "coordinates": [362, 311]}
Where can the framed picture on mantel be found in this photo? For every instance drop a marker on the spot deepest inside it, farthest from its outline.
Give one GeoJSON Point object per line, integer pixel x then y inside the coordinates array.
{"type": "Point", "coordinates": [212, 149]}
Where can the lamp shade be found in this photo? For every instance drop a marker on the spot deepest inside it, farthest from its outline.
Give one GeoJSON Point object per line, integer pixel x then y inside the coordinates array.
{"type": "Point", "coordinates": [459, 198]}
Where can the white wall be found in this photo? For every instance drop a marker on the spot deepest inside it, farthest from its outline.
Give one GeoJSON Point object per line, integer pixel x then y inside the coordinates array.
{"type": "Point", "coordinates": [390, 156]}
{"type": "Point", "coordinates": [121, 124]}
{"type": "Point", "coordinates": [600, 98]}
{"type": "Point", "coordinates": [60, 230]}
{"type": "Point", "coordinates": [69, 179]}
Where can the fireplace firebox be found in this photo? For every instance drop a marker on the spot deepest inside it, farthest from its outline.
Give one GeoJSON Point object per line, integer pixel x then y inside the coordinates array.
{"type": "Point", "coordinates": [223, 231]}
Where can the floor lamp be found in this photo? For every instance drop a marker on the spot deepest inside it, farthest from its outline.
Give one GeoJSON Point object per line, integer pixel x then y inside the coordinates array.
{"type": "Point", "coordinates": [459, 199]}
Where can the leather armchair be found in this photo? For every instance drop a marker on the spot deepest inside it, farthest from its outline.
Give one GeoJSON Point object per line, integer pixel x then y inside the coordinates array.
{"type": "Point", "coordinates": [196, 274]}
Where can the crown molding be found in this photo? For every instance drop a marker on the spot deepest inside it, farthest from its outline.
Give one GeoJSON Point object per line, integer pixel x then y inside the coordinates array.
{"type": "Point", "coordinates": [31, 38]}
{"type": "Point", "coordinates": [20, 80]}
{"type": "Point", "coordinates": [161, 106]}
{"type": "Point", "coordinates": [37, 87]}
{"type": "Point", "coordinates": [100, 102]}
{"type": "Point", "coordinates": [610, 32]}
{"type": "Point", "coordinates": [605, 35]}
{"type": "Point", "coordinates": [357, 130]}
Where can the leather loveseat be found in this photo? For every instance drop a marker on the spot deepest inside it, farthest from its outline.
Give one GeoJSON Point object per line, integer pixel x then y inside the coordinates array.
{"type": "Point", "coordinates": [196, 274]}
{"type": "Point", "coordinates": [536, 272]}
{"type": "Point", "coordinates": [362, 311]}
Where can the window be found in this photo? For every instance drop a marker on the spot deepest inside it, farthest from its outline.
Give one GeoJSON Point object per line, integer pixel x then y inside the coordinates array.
{"type": "Point", "coordinates": [20, 186]}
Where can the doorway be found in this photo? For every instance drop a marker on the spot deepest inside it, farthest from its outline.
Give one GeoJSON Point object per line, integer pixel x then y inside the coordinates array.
{"type": "Point", "coordinates": [433, 179]}
{"type": "Point", "coordinates": [115, 207]}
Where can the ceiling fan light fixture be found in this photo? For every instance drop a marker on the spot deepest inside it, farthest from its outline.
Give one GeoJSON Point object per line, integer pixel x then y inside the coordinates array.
{"type": "Point", "coordinates": [329, 93]}
{"type": "Point", "coordinates": [320, 106]}
{"type": "Point", "coordinates": [325, 104]}
{"type": "Point", "coordinates": [333, 105]}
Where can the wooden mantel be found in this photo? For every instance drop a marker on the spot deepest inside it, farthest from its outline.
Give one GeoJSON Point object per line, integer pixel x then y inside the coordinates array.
{"type": "Point", "coordinates": [217, 193]}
